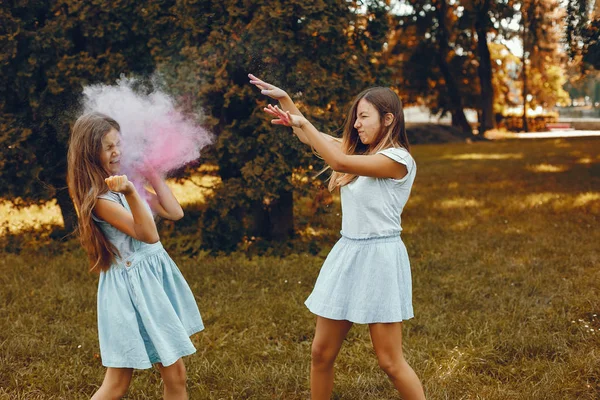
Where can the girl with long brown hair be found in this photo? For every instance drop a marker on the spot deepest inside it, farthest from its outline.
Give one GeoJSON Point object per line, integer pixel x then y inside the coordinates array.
{"type": "Point", "coordinates": [366, 277]}
{"type": "Point", "coordinates": [146, 310]}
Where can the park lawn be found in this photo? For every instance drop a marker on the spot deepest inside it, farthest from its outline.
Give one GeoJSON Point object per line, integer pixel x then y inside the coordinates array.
{"type": "Point", "coordinates": [503, 239]}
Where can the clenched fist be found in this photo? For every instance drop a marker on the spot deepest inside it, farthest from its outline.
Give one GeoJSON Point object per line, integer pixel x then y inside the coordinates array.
{"type": "Point", "coordinates": [119, 183]}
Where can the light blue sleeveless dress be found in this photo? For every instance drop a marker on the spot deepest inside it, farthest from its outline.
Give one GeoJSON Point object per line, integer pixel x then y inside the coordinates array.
{"type": "Point", "coordinates": [146, 310]}
{"type": "Point", "coordinates": [366, 277]}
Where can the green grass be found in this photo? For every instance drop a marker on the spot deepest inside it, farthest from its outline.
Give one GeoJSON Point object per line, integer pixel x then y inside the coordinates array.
{"type": "Point", "coordinates": [503, 239]}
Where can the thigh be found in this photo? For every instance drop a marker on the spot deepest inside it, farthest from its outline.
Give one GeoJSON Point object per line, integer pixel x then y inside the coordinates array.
{"type": "Point", "coordinates": [119, 374]}
{"type": "Point", "coordinates": [387, 340]}
{"type": "Point", "coordinates": [118, 377]}
{"type": "Point", "coordinates": [330, 333]}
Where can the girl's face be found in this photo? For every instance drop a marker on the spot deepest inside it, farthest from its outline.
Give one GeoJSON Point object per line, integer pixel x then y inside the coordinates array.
{"type": "Point", "coordinates": [110, 154]}
{"type": "Point", "coordinates": [367, 122]}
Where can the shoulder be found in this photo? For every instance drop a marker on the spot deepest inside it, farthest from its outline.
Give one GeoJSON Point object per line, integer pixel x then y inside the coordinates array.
{"type": "Point", "coordinates": [111, 196]}
{"type": "Point", "coordinates": [101, 207]}
{"type": "Point", "coordinates": [398, 154]}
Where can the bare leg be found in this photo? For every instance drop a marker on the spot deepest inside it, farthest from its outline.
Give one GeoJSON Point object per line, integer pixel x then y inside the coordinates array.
{"type": "Point", "coordinates": [329, 336]}
{"type": "Point", "coordinates": [174, 378]}
{"type": "Point", "coordinates": [115, 384]}
{"type": "Point", "coordinates": [387, 342]}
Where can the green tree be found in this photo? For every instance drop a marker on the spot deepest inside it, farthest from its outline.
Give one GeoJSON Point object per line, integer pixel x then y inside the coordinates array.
{"type": "Point", "coordinates": [582, 32]}
{"type": "Point", "coordinates": [540, 33]}
{"type": "Point", "coordinates": [423, 51]}
{"type": "Point", "coordinates": [322, 53]}
{"type": "Point", "coordinates": [505, 78]}
{"type": "Point", "coordinates": [50, 50]}
{"type": "Point", "coordinates": [486, 19]}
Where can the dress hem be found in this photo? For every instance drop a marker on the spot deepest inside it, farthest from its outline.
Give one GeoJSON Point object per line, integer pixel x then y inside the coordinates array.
{"type": "Point", "coordinates": [325, 311]}
{"type": "Point", "coordinates": [155, 360]}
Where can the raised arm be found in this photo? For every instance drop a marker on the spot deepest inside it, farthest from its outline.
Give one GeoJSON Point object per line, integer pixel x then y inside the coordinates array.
{"type": "Point", "coordinates": [287, 105]}
{"type": "Point", "coordinates": [138, 224]}
{"type": "Point", "coordinates": [376, 165]}
{"type": "Point", "coordinates": [163, 202]}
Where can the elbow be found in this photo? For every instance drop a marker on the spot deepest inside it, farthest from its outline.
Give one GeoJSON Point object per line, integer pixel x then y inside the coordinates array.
{"type": "Point", "coordinates": [174, 215]}
{"type": "Point", "coordinates": [153, 239]}
{"type": "Point", "coordinates": [338, 166]}
{"type": "Point", "coordinates": [178, 215]}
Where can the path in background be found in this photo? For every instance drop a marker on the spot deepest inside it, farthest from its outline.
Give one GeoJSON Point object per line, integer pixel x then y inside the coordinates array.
{"type": "Point", "coordinates": [555, 134]}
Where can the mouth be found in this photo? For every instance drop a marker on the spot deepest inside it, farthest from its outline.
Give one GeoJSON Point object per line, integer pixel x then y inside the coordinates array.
{"type": "Point", "coordinates": [115, 161]}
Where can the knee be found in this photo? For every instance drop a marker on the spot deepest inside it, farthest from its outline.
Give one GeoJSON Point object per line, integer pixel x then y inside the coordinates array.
{"type": "Point", "coordinates": [121, 391]}
{"type": "Point", "coordinates": [176, 376]}
{"type": "Point", "coordinates": [391, 366]}
{"type": "Point", "coordinates": [116, 390]}
{"type": "Point", "coordinates": [322, 355]}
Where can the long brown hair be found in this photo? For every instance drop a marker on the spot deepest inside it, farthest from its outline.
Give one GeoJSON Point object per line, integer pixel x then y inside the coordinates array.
{"type": "Point", "coordinates": [385, 101]}
{"type": "Point", "coordinates": [85, 178]}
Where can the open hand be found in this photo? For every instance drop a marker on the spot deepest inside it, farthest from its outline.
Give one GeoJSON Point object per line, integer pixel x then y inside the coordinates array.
{"type": "Point", "coordinates": [267, 89]}
{"type": "Point", "coordinates": [284, 117]}
{"type": "Point", "coordinates": [119, 183]}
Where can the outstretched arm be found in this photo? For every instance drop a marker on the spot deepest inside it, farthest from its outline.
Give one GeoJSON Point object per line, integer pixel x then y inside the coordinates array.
{"type": "Point", "coordinates": [375, 165]}
{"type": "Point", "coordinates": [287, 105]}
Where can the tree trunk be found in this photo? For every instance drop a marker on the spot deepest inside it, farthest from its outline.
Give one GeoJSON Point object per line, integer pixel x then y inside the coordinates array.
{"type": "Point", "coordinates": [67, 209]}
{"type": "Point", "coordinates": [282, 216]}
{"type": "Point", "coordinates": [458, 114]}
{"type": "Point", "coordinates": [484, 70]}
{"type": "Point", "coordinates": [525, 93]}
{"type": "Point", "coordinates": [261, 221]}
{"type": "Point", "coordinates": [459, 120]}
{"type": "Point", "coordinates": [276, 221]}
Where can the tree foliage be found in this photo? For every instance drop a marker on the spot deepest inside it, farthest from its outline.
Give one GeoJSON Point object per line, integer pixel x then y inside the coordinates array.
{"type": "Point", "coordinates": [322, 53]}
{"type": "Point", "coordinates": [50, 50]}
{"type": "Point", "coordinates": [582, 32]}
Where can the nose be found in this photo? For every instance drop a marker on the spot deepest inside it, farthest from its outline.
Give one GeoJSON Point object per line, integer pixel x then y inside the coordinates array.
{"type": "Point", "coordinates": [117, 151]}
{"type": "Point", "coordinates": [356, 124]}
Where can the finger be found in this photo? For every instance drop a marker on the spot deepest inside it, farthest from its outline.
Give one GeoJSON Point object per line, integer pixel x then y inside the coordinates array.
{"type": "Point", "coordinates": [278, 122]}
{"type": "Point", "coordinates": [255, 80]}
{"type": "Point", "coordinates": [274, 110]}
{"type": "Point", "coordinates": [279, 113]}
{"type": "Point", "coordinates": [270, 112]}
{"type": "Point", "coordinates": [260, 81]}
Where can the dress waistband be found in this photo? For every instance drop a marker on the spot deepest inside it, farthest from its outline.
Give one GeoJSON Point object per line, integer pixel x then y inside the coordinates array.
{"type": "Point", "coordinates": [139, 255]}
{"type": "Point", "coordinates": [373, 239]}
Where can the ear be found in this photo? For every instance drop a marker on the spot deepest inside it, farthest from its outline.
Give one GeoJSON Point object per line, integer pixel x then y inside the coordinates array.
{"type": "Point", "coordinates": [388, 119]}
